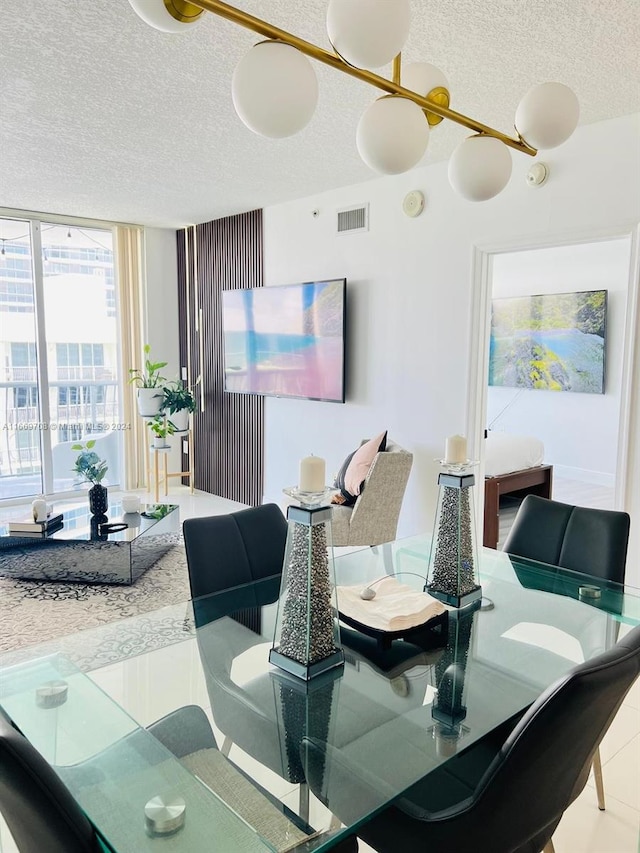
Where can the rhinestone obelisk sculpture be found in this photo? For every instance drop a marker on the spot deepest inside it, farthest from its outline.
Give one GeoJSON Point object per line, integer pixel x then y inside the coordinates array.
{"type": "Point", "coordinates": [448, 708]}
{"type": "Point", "coordinates": [307, 636]}
{"type": "Point", "coordinates": [453, 560]}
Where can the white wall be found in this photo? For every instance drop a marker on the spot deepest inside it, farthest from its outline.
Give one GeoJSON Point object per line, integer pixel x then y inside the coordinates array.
{"type": "Point", "coordinates": [161, 311]}
{"type": "Point", "coordinates": [579, 431]}
{"type": "Point", "coordinates": [409, 286]}
{"type": "Point", "coordinates": [161, 297]}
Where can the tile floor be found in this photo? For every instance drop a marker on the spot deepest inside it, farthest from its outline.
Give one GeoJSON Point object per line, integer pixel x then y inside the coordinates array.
{"type": "Point", "coordinates": [584, 829]}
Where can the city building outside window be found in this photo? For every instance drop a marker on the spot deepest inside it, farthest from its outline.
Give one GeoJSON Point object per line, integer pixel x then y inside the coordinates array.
{"type": "Point", "coordinates": [72, 273]}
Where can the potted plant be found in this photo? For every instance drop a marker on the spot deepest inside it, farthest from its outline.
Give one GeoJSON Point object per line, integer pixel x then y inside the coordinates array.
{"type": "Point", "coordinates": [161, 428]}
{"type": "Point", "coordinates": [179, 402]}
{"type": "Point", "coordinates": [150, 384]}
{"type": "Point", "coordinates": [92, 470]}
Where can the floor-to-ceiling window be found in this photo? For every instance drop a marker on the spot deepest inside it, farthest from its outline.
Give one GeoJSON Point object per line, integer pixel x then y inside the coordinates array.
{"type": "Point", "coordinates": [59, 353]}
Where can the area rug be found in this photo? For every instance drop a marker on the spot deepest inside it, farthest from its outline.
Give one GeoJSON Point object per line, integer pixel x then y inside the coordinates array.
{"type": "Point", "coordinates": [35, 612]}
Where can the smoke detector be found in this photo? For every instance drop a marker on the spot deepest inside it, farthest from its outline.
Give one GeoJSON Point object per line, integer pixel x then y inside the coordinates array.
{"type": "Point", "coordinates": [537, 174]}
{"type": "Point", "coordinates": [413, 203]}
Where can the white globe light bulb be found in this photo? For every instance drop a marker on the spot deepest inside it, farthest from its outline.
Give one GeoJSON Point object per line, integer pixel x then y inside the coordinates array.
{"type": "Point", "coordinates": [547, 115]}
{"type": "Point", "coordinates": [427, 80]}
{"type": "Point", "coordinates": [392, 135]}
{"type": "Point", "coordinates": [274, 89]}
{"type": "Point", "coordinates": [157, 15]}
{"type": "Point", "coordinates": [423, 77]}
{"type": "Point", "coordinates": [480, 168]}
{"type": "Point", "coordinates": [368, 33]}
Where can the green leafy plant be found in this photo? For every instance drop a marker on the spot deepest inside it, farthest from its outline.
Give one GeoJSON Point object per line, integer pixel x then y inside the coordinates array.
{"type": "Point", "coordinates": [88, 464]}
{"type": "Point", "coordinates": [149, 377]}
{"type": "Point", "coordinates": [177, 398]}
{"type": "Point", "coordinates": [160, 427]}
{"type": "Point", "coordinates": [157, 510]}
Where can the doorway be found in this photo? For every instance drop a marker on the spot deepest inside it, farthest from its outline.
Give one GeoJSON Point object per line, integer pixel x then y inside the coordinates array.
{"type": "Point", "coordinates": [584, 436]}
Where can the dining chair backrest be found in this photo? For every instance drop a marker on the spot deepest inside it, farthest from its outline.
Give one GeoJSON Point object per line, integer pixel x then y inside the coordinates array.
{"type": "Point", "coordinates": [37, 806]}
{"type": "Point", "coordinates": [545, 762]}
{"type": "Point", "coordinates": [584, 539]}
{"type": "Point", "coordinates": [538, 769]}
{"type": "Point", "coordinates": [224, 551]}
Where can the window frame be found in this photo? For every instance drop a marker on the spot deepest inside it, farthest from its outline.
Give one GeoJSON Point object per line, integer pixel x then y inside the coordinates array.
{"type": "Point", "coordinates": [34, 221]}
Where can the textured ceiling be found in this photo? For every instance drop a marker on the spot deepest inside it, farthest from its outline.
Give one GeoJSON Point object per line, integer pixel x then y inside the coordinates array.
{"type": "Point", "coordinates": [102, 116]}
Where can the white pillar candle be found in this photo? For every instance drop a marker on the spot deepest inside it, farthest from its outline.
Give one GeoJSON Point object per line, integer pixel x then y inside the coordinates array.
{"type": "Point", "coordinates": [456, 449]}
{"type": "Point", "coordinates": [39, 508]}
{"type": "Point", "coordinates": [312, 474]}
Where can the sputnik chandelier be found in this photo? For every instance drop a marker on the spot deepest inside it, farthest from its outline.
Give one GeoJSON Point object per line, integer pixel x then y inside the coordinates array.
{"type": "Point", "coordinates": [275, 90]}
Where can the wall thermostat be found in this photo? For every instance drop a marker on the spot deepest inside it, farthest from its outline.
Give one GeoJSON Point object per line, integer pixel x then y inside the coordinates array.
{"type": "Point", "coordinates": [413, 203]}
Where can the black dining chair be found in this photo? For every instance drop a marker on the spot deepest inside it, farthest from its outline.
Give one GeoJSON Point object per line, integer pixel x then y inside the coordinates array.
{"type": "Point", "coordinates": [43, 816]}
{"type": "Point", "coordinates": [38, 808]}
{"type": "Point", "coordinates": [224, 551]}
{"type": "Point", "coordinates": [583, 539]}
{"type": "Point", "coordinates": [505, 794]}
{"type": "Point", "coordinates": [40, 811]}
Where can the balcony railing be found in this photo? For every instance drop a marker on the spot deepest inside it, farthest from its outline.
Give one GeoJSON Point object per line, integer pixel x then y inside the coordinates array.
{"type": "Point", "coordinates": [64, 373]}
{"type": "Point", "coordinates": [95, 410]}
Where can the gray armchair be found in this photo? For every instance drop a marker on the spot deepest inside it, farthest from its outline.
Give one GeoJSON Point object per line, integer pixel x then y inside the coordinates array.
{"type": "Point", "coordinates": [373, 520]}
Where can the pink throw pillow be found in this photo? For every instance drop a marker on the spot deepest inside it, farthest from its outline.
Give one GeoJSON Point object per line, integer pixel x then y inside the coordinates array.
{"type": "Point", "coordinates": [361, 461]}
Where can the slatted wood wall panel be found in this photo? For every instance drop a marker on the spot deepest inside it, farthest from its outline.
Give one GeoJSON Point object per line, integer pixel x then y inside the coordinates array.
{"type": "Point", "coordinates": [229, 432]}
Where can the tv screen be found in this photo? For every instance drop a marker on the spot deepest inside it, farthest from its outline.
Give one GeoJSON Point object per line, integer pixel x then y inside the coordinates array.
{"type": "Point", "coordinates": [286, 341]}
{"type": "Point", "coordinates": [553, 342]}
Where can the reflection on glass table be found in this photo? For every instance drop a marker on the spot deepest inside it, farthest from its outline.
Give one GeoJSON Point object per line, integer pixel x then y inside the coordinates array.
{"type": "Point", "coordinates": [118, 771]}
{"type": "Point", "coordinates": [391, 717]}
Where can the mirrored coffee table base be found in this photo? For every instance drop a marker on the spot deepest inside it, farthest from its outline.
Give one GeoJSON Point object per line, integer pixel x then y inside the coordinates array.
{"type": "Point", "coordinates": [79, 552]}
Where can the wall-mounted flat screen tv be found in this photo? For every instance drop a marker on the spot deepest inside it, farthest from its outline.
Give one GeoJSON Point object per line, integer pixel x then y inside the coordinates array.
{"type": "Point", "coordinates": [286, 341]}
{"type": "Point", "coordinates": [553, 342]}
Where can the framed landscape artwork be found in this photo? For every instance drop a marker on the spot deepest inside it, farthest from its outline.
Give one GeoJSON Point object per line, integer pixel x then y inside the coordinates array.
{"type": "Point", "coordinates": [552, 342]}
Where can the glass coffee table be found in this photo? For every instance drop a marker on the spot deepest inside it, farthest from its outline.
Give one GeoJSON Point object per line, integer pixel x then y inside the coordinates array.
{"type": "Point", "coordinates": [83, 550]}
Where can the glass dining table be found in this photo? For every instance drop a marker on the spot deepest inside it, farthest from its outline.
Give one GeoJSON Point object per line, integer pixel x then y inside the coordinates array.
{"type": "Point", "coordinates": [286, 755]}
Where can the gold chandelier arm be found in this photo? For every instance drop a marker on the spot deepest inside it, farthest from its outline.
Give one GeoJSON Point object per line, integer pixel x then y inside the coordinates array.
{"type": "Point", "coordinates": [397, 65]}
{"type": "Point", "coordinates": [263, 28]}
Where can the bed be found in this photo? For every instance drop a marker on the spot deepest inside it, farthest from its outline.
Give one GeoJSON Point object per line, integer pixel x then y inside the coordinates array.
{"type": "Point", "coordinates": [513, 466]}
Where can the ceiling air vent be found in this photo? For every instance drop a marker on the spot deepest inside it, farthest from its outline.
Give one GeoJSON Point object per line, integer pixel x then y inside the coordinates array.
{"type": "Point", "coordinates": [352, 219]}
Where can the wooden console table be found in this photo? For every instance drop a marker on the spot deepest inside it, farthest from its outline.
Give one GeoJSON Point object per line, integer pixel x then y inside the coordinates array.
{"type": "Point", "coordinates": [529, 481]}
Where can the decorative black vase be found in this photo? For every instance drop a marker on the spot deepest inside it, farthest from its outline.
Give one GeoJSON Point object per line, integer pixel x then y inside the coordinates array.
{"type": "Point", "coordinates": [95, 523]}
{"type": "Point", "coordinates": [98, 502]}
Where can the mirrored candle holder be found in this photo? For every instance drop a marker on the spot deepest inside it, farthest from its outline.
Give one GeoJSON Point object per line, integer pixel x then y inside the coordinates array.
{"type": "Point", "coordinates": [453, 559]}
{"type": "Point", "coordinates": [307, 635]}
